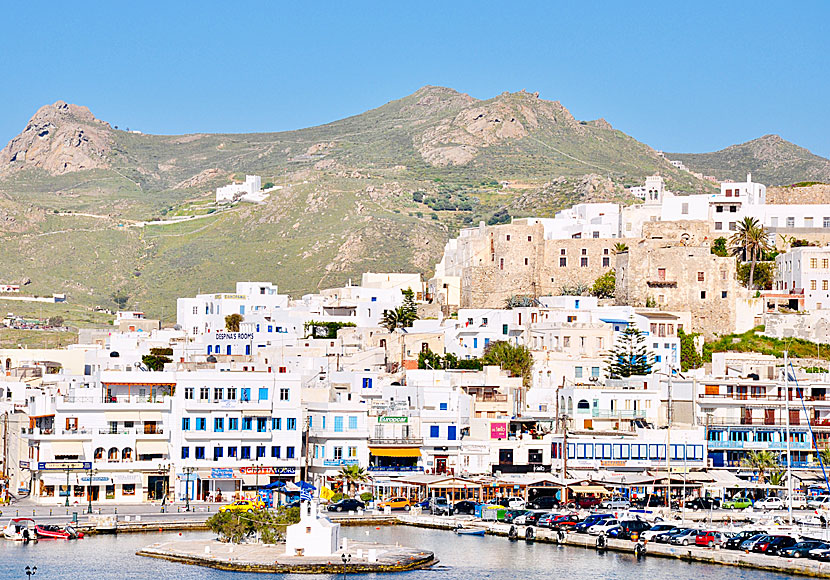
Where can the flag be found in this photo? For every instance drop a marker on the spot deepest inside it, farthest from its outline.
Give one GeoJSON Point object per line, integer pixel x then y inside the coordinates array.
{"type": "Point", "coordinates": [326, 493]}
{"type": "Point", "coordinates": [305, 495]}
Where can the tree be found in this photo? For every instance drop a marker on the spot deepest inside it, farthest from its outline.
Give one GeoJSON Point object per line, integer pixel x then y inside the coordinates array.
{"type": "Point", "coordinates": [750, 242]}
{"type": "Point", "coordinates": [689, 356]}
{"type": "Point", "coordinates": [760, 461]}
{"type": "Point", "coordinates": [620, 248]}
{"type": "Point", "coordinates": [55, 321]}
{"type": "Point", "coordinates": [268, 526]}
{"type": "Point", "coordinates": [825, 457]}
{"type": "Point", "coordinates": [120, 297]}
{"type": "Point", "coordinates": [764, 274]}
{"type": "Point", "coordinates": [157, 358]}
{"type": "Point", "coordinates": [393, 319]}
{"type": "Point", "coordinates": [777, 477]}
{"type": "Point", "coordinates": [232, 322]}
{"type": "Point", "coordinates": [351, 475]}
{"type": "Point", "coordinates": [629, 356]}
{"type": "Point", "coordinates": [410, 309]}
{"type": "Point", "coordinates": [515, 358]}
{"type": "Point", "coordinates": [520, 302]}
{"type": "Point", "coordinates": [719, 247]}
{"type": "Point", "coordinates": [605, 285]}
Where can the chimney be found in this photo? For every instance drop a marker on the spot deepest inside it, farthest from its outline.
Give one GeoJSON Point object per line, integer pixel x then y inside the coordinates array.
{"type": "Point", "coordinates": [749, 178]}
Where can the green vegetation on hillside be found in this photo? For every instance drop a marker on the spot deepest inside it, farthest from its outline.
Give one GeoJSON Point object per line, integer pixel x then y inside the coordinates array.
{"type": "Point", "coordinates": [752, 341]}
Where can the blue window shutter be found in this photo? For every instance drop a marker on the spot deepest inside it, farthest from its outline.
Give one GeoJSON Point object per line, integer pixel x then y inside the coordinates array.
{"type": "Point", "coordinates": [433, 431]}
{"type": "Point", "coordinates": [263, 393]}
{"type": "Point", "coordinates": [338, 424]}
{"type": "Point", "coordinates": [451, 432]}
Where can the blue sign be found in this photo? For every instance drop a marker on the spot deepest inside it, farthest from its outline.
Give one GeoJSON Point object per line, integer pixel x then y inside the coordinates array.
{"type": "Point", "coordinates": [338, 462]}
{"type": "Point", "coordinates": [64, 465]}
{"type": "Point", "coordinates": [221, 473]}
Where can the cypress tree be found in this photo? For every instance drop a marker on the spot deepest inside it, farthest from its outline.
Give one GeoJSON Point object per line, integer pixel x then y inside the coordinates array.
{"type": "Point", "coordinates": [629, 356]}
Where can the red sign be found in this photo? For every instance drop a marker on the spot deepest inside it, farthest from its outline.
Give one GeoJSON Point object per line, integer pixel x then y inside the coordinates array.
{"type": "Point", "coordinates": [498, 430]}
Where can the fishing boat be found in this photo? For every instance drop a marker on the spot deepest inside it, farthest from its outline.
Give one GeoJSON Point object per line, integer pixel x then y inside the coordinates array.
{"type": "Point", "coordinates": [20, 530]}
{"type": "Point", "coordinates": [462, 531]}
{"type": "Point", "coordinates": [58, 533]}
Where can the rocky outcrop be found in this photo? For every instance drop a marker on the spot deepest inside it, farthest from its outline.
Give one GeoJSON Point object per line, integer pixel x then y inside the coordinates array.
{"type": "Point", "coordinates": [60, 138]}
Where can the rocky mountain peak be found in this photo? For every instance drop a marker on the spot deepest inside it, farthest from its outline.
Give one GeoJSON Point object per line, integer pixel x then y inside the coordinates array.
{"type": "Point", "coordinates": [59, 138]}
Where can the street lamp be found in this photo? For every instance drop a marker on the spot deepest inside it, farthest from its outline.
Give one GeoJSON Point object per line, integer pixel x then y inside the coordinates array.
{"type": "Point", "coordinates": [188, 471]}
{"type": "Point", "coordinates": [31, 571]}
{"type": "Point", "coordinates": [164, 469]}
{"type": "Point", "coordinates": [346, 559]}
{"type": "Point", "coordinates": [92, 473]}
{"type": "Point", "coordinates": [67, 488]}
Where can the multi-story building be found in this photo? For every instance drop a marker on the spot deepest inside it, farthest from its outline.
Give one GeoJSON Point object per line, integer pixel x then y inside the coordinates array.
{"type": "Point", "coordinates": [338, 435]}
{"type": "Point", "coordinates": [805, 271]}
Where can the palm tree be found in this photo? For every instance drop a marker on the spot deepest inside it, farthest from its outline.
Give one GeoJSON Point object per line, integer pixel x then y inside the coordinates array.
{"type": "Point", "coordinates": [777, 477]}
{"type": "Point", "coordinates": [620, 248]}
{"type": "Point", "coordinates": [760, 461]}
{"type": "Point", "coordinates": [352, 474]}
{"type": "Point", "coordinates": [750, 240]}
{"type": "Point", "coordinates": [825, 456]}
{"type": "Point", "coordinates": [393, 319]}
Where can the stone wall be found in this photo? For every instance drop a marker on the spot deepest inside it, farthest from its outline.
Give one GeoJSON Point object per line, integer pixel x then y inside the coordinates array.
{"type": "Point", "coordinates": [799, 195]}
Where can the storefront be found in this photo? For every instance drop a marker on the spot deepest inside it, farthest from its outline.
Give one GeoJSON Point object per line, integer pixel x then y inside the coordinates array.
{"type": "Point", "coordinates": [102, 487]}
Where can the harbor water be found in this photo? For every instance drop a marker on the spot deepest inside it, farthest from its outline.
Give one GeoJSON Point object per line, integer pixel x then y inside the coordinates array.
{"type": "Point", "coordinates": [461, 558]}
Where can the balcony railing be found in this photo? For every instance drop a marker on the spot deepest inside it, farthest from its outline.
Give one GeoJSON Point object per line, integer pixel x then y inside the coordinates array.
{"type": "Point", "coordinates": [761, 397]}
{"type": "Point", "coordinates": [115, 399]}
{"type": "Point", "coordinates": [387, 469]}
{"type": "Point", "coordinates": [765, 422]}
{"type": "Point", "coordinates": [623, 414]}
{"type": "Point", "coordinates": [396, 441]}
{"type": "Point", "coordinates": [755, 445]}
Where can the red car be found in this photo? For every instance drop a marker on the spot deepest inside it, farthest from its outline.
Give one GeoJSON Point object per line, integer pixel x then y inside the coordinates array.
{"type": "Point", "coordinates": [566, 522]}
{"type": "Point", "coordinates": [709, 538]}
{"type": "Point", "coordinates": [588, 502]}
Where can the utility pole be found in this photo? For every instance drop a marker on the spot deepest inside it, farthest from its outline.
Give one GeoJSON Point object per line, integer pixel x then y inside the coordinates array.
{"type": "Point", "coordinates": [564, 459]}
{"type": "Point", "coordinates": [668, 444]}
{"type": "Point", "coordinates": [789, 460]}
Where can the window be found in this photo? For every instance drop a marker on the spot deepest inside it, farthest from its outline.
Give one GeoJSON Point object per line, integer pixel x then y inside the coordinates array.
{"type": "Point", "coordinates": [338, 424]}
{"type": "Point", "coordinates": [201, 424]}
{"type": "Point", "coordinates": [204, 393]}
{"type": "Point", "coordinates": [527, 261]}
{"type": "Point", "coordinates": [733, 209]}
{"type": "Point", "coordinates": [661, 274]}
{"type": "Point", "coordinates": [812, 284]}
{"type": "Point", "coordinates": [700, 277]}
{"type": "Point", "coordinates": [442, 406]}
{"type": "Point", "coordinates": [824, 263]}
{"type": "Point", "coordinates": [703, 294]}
{"type": "Point", "coordinates": [578, 372]}
{"type": "Point", "coordinates": [684, 209]}
{"type": "Point", "coordinates": [824, 284]}
{"type": "Point", "coordinates": [129, 488]}
{"type": "Point", "coordinates": [261, 424]}
{"type": "Point", "coordinates": [814, 262]}
{"type": "Point", "coordinates": [352, 451]}
{"type": "Point", "coordinates": [718, 209]}
{"type": "Point", "coordinates": [188, 392]}
{"type": "Point", "coordinates": [808, 222]}
{"type": "Point", "coordinates": [285, 393]}
{"type": "Point", "coordinates": [233, 424]}
{"type": "Point", "coordinates": [291, 424]}
{"type": "Point", "coordinates": [367, 382]}
{"type": "Point", "coordinates": [583, 262]}
{"type": "Point", "coordinates": [723, 293]}
{"type": "Point", "coordinates": [718, 225]}
{"type": "Point", "coordinates": [218, 424]}
{"type": "Point", "coordinates": [185, 452]}
{"type": "Point", "coordinates": [501, 263]}
{"type": "Point", "coordinates": [289, 452]}
{"type": "Point", "coordinates": [504, 329]}
{"type": "Point", "coordinates": [451, 432]}
{"type": "Point", "coordinates": [594, 371]}
{"type": "Point", "coordinates": [247, 423]}
{"type": "Point", "coordinates": [563, 262]}
{"type": "Point", "coordinates": [562, 251]}
{"type": "Point", "coordinates": [218, 394]}
{"type": "Point", "coordinates": [263, 393]}
{"type": "Point", "coordinates": [606, 262]}
{"type": "Point", "coordinates": [276, 423]}
{"type": "Point", "coordinates": [245, 452]}
{"type": "Point", "coordinates": [231, 393]}
{"type": "Point", "coordinates": [246, 395]}
{"type": "Point", "coordinates": [260, 451]}
{"type": "Point", "coordinates": [232, 452]}
{"type": "Point", "coordinates": [433, 431]}
{"type": "Point", "coordinates": [790, 222]}
{"type": "Point", "coordinates": [733, 227]}
{"type": "Point", "coordinates": [352, 422]}
{"type": "Point", "coordinates": [508, 237]}
{"type": "Point", "coordinates": [218, 453]}
{"type": "Point", "coordinates": [200, 453]}
{"type": "Point", "coordinates": [827, 222]}
{"type": "Point", "coordinates": [275, 451]}
{"type": "Point", "coordinates": [185, 423]}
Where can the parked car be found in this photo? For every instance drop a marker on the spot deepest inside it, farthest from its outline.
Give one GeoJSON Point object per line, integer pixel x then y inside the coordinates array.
{"type": "Point", "coordinates": [243, 505]}
{"type": "Point", "coordinates": [514, 503]}
{"type": "Point", "coordinates": [649, 501]}
{"type": "Point", "coordinates": [737, 503]}
{"type": "Point", "coordinates": [465, 507]}
{"type": "Point", "coordinates": [531, 518]}
{"type": "Point", "coordinates": [591, 520]}
{"type": "Point", "coordinates": [666, 537]}
{"type": "Point", "coordinates": [818, 502]}
{"type": "Point", "coordinates": [749, 543]}
{"type": "Point", "coordinates": [710, 538]}
{"type": "Point", "coordinates": [703, 503]}
{"type": "Point", "coordinates": [546, 502]}
{"type": "Point", "coordinates": [821, 555]}
{"type": "Point", "coordinates": [615, 503]}
{"type": "Point", "coordinates": [511, 515]}
{"type": "Point", "coordinates": [769, 503]}
{"type": "Point", "coordinates": [656, 529]}
{"type": "Point", "coordinates": [802, 549]}
{"type": "Point", "coordinates": [396, 503]}
{"type": "Point", "coordinates": [439, 506]}
{"type": "Point", "coordinates": [587, 503]}
{"type": "Point", "coordinates": [734, 543]}
{"type": "Point", "coordinates": [685, 537]}
{"type": "Point", "coordinates": [774, 544]}
{"type": "Point", "coordinates": [346, 504]}
{"type": "Point", "coordinates": [818, 550]}
{"type": "Point", "coordinates": [547, 519]}
{"type": "Point", "coordinates": [565, 523]}
{"type": "Point", "coordinates": [799, 501]}
{"type": "Point", "coordinates": [603, 526]}
{"type": "Point", "coordinates": [630, 527]}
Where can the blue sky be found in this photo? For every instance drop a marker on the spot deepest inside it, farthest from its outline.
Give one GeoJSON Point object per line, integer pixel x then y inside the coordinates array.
{"type": "Point", "coordinates": [693, 76]}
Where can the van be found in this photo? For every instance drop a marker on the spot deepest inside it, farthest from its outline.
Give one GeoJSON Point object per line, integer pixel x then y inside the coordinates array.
{"type": "Point", "coordinates": [799, 501]}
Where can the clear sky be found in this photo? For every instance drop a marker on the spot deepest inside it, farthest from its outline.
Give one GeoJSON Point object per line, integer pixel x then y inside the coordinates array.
{"type": "Point", "coordinates": [682, 77]}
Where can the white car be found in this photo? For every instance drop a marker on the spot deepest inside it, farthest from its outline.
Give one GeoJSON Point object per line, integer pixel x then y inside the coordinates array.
{"type": "Point", "coordinates": [818, 502]}
{"type": "Point", "coordinates": [516, 503]}
{"type": "Point", "coordinates": [769, 503]}
{"type": "Point", "coordinates": [799, 501]}
{"type": "Point", "coordinates": [603, 526]}
{"type": "Point", "coordinates": [648, 535]}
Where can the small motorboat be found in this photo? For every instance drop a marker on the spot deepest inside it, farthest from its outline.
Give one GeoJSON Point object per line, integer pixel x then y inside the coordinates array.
{"type": "Point", "coordinates": [462, 531]}
{"type": "Point", "coordinates": [58, 533]}
{"type": "Point", "coordinates": [20, 530]}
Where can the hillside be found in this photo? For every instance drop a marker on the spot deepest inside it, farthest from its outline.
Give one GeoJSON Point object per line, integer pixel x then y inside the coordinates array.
{"type": "Point", "coordinates": [75, 191]}
{"type": "Point", "coordinates": [771, 160]}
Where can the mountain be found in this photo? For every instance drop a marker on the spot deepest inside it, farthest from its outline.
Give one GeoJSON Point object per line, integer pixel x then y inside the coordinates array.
{"type": "Point", "coordinates": [379, 191]}
{"type": "Point", "coordinates": [771, 160]}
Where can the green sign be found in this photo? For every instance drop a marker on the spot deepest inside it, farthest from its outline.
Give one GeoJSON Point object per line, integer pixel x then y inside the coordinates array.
{"type": "Point", "coordinates": [393, 419]}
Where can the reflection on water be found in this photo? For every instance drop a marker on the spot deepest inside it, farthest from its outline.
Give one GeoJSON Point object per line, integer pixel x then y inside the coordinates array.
{"type": "Point", "coordinates": [462, 558]}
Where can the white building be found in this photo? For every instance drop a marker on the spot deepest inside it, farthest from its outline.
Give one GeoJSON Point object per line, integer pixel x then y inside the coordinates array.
{"type": "Point", "coordinates": [805, 270]}
{"type": "Point", "coordinates": [250, 190]}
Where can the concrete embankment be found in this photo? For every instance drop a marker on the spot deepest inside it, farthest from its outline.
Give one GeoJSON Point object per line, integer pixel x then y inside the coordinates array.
{"type": "Point", "coordinates": [365, 557]}
{"type": "Point", "coordinates": [736, 558]}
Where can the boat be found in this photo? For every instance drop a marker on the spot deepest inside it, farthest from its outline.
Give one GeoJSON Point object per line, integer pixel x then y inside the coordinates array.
{"type": "Point", "coordinates": [58, 533]}
{"type": "Point", "coordinates": [461, 531]}
{"type": "Point", "coordinates": [20, 530]}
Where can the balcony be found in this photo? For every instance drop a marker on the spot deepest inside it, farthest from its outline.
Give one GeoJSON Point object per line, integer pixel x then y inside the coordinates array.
{"type": "Point", "coordinates": [661, 283]}
{"type": "Point", "coordinates": [624, 414]}
{"type": "Point", "coordinates": [396, 441]}
{"type": "Point", "coordinates": [756, 445]}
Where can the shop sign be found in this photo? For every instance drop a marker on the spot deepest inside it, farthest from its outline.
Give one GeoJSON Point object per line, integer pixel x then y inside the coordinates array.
{"type": "Point", "coordinates": [95, 479]}
{"type": "Point", "coordinates": [126, 478]}
{"type": "Point", "coordinates": [24, 465]}
{"type": "Point", "coordinates": [339, 462]}
{"type": "Point", "coordinates": [498, 430]}
{"type": "Point", "coordinates": [612, 463]}
{"type": "Point", "coordinates": [267, 470]}
{"type": "Point", "coordinates": [234, 335]}
{"type": "Point", "coordinates": [64, 465]}
{"type": "Point", "coordinates": [388, 419]}
{"type": "Point", "coordinates": [221, 473]}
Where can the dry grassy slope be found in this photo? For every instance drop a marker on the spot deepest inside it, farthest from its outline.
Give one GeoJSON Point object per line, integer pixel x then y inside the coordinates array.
{"type": "Point", "coordinates": [350, 208]}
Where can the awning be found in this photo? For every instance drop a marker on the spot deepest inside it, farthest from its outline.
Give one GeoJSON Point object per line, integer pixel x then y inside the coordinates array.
{"type": "Point", "coordinates": [150, 416]}
{"type": "Point", "coordinates": [41, 416]}
{"type": "Point", "coordinates": [260, 413]}
{"type": "Point", "coordinates": [67, 448]}
{"type": "Point", "coordinates": [395, 451]}
{"type": "Point", "coordinates": [122, 416]}
{"type": "Point", "coordinates": [151, 447]}
{"type": "Point", "coordinates": [588, 489]}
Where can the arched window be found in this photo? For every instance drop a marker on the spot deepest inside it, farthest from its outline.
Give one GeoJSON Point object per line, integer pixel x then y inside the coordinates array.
{"type": "Point", "coordinates": [112, 454]}
{"type": "Point", "coordinates": [583, 406]}
{"type": "Point", "coordinates": [570, 405]}
{"type": "Point", "coordinates": [99, 454]}
{"type": "Point", "coordinates": [127, 454]}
